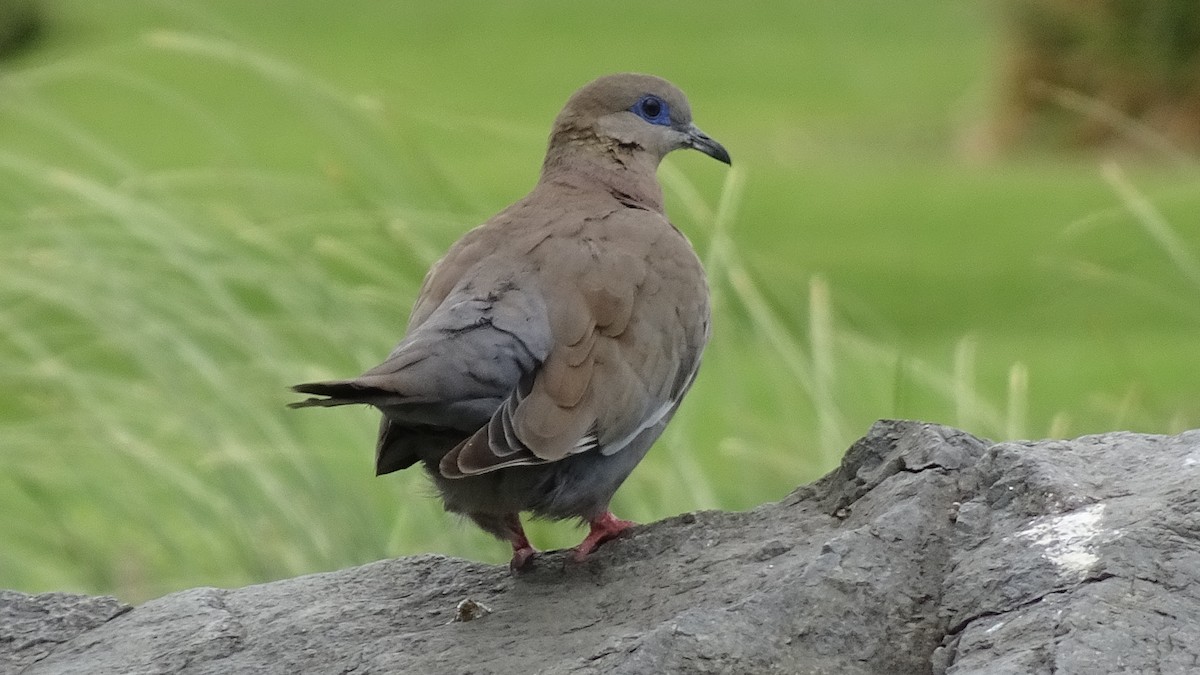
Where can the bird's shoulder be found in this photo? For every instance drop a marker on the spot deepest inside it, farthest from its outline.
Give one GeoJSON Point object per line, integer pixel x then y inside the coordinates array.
{"type": "Point", "coordinates": [554, 242]}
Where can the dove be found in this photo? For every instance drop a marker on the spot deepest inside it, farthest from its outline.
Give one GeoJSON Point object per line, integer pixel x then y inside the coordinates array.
{"type": "Point", "coordinates": [550, 346]}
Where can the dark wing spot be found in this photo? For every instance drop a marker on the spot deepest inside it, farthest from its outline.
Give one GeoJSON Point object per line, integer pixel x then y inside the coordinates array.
{"type": "Point", "coordinates": [481, 322]}
{"type": "Point", "coordinates": [627, 200]}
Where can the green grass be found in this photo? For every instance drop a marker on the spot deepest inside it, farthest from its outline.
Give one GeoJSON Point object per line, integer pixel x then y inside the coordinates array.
{"type": "Point", "coordinates": [202, 203]}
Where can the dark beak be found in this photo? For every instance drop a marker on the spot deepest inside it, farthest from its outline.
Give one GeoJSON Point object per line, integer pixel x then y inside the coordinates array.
{"type": "Point", "coordinates": [700, 141]}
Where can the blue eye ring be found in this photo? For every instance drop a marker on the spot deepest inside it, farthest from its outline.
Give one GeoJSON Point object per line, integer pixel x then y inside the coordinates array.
{"type": "Point", "coordinates": [652, 109]}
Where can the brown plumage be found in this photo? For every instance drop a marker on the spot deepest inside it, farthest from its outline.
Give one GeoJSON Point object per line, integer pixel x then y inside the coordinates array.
{"type": "Point", "coordinates": [550, 346]}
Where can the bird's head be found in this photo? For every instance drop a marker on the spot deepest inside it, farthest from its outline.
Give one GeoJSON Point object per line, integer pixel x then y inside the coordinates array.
{"type": "Point", "coordinates": [632, 114]}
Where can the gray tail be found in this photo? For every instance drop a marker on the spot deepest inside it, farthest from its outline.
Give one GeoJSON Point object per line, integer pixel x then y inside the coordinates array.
{"type": "Point", "coordinates": [341, 392]}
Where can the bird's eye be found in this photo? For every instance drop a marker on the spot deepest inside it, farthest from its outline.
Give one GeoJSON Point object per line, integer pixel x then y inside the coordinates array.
{"type": "Point", "coordinates": [652, 109]}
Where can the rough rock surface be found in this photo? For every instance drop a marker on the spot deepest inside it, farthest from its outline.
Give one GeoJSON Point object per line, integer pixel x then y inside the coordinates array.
{"type": "Point", "coordinates": [927, 551]}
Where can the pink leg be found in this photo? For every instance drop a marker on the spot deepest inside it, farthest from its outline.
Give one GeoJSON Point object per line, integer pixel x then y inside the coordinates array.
{"type": "Point", "coordinates": [603, 528]}
{"type": "Point", "coordinates": [507, 526]}
{"type": "Point", "coordinates": [523, 551]}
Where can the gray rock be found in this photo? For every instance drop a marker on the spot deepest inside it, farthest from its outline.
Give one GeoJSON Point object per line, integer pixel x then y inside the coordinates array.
{"type": "Point", "coordinates": [927, 551]}
{"type": "Point", "coordinates": [33, 626]}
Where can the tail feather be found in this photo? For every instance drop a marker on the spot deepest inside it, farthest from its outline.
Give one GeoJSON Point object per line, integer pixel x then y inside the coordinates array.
{"type": "Point", "coordinates": [341, 392]}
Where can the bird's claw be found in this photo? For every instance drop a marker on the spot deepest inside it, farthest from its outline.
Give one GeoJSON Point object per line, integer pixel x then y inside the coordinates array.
{"type": "Point", "coordinates": [604, 528]}
{"type": "Point", "coordinates": [522, 559]}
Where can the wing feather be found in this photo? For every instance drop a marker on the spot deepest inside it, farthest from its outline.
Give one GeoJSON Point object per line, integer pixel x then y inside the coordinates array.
{"type": "Point", "coordinates": [620, 337]}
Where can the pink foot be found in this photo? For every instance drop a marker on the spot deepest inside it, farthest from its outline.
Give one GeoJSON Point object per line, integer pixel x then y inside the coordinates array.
{"type": "Point", "coordinates": [522, 558]}
{"type": "Point", "coordinates": [604, 528]}
{"type": "Point", "coordinates": [523, 551]}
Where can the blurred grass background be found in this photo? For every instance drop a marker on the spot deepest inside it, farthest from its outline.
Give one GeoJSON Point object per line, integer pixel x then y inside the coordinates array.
{"type": "Point", "coordinates": [204, 202]}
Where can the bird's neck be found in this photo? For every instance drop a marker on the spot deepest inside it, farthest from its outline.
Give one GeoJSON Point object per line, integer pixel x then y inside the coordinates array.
{"type": "Point", "coordinates": [586, 162]}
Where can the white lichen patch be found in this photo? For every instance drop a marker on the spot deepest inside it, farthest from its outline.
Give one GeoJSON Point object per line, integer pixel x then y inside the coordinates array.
{"type": "Point", "coordinates": [470, 610]}
{"type": "Point", "coordinates": [1069, 540]}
